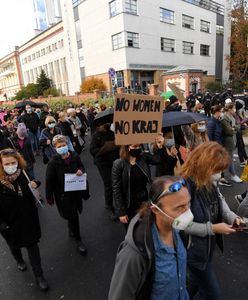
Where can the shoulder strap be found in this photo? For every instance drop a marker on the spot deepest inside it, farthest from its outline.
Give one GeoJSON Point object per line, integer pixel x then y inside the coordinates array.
{"type": "Point", "coordinates": [26, 175]}
{"type": "Point", "coordinates": [12, 144]}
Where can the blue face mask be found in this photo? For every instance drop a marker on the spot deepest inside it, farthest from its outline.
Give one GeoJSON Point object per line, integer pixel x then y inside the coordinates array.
{"type": "Point", "coordinates": [51, 125]}
{"type": "Point", "coordinates": [62, 150]}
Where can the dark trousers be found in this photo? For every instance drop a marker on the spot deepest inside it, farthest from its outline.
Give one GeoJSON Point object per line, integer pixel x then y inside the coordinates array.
{"type": "Point", "coordinates": [241, 147]}
{"type": "Point", "coordinates": [105, 171]}
{"type": "Point", "coordinates": [203, 284]}
{"type": "Point", "coordinates": [73, 225]}
{"type": "Point", "coordinates": [34, 257]}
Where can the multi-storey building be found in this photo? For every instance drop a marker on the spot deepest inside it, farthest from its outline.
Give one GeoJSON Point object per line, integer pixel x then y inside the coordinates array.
{"type": "Point", "coordinates": [46, 51]}
{"type": "Point", "coordinates": [142, 39]}
{"type": "Point", "coordinates": [10, 76]}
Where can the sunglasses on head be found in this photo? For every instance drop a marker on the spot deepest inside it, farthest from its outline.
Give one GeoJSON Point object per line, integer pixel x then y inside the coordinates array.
{"type": "Point", "coordinates": [173, 188]}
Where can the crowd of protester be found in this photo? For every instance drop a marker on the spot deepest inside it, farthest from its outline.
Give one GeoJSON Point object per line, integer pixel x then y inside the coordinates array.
{"type": "Point", "coordinates": [172, 222]}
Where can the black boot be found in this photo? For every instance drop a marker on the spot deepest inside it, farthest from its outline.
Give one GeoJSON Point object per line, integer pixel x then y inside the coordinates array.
{"type": "Point", "coordinates": [42, 283]}
{"type": "Point", "coordinates": [81, 247]}
{"type": "Point", "coordinates": [21, 265]}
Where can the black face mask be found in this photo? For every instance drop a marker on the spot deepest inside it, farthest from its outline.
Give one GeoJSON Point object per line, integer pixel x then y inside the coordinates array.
{"type": "Point", "coordinates": [135, 152]}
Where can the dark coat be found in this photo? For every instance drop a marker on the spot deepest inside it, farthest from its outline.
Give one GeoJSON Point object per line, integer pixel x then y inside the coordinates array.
{"type": "Point", "coordinates": [167, 165]}
{"type": "Point", "coordinates": [31, 121]}
{"type": "Point", "coordinates": [20, 214]}
{"type": "Point", "coordinates": [121, 179]}
{"type": "Point", "coordinates": [68, 203]}
{"type": "Point", "coordinates": [214, 130]}
{"type": "Point", "coordinates": [97, 142]}
{"type": "Point", "coordinates": [201, 248]}
{"type": "Point", "coordinates": [26, 151]}
{"type": "Point", "coordinates": [66, 130]}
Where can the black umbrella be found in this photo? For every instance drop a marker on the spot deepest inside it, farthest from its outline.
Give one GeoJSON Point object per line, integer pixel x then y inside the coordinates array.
{"type": "Point", "coordinates": [105, 116]}
{"type": "Point", "coordinates": [175, 118]}
{"type": "Point", "coordinates": [22, 104]}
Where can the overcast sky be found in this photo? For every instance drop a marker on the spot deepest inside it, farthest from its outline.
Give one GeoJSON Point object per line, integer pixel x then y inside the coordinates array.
{"type": "Point", "coordinates": [17, 22]}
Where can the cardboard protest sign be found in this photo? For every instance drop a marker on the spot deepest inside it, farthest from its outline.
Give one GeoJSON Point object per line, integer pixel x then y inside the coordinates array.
{"type": "Point", "coordinates": [177, 92]}
{"type": "Point", "coordinates": [137, 118]}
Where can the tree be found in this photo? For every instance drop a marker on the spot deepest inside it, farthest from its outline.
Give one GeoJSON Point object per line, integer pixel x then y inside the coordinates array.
{"type": "Point", "coordinates": [238, 59]}
{"type": "Point", "coordinates": [31, 90]}
{"type": "Point", "coordinates": [91, 84]}
{"type": "Point", "coordinates": [43, 82]}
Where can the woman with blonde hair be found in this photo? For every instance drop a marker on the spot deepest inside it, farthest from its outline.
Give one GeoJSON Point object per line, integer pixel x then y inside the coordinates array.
{"type": "Point", "coordinates": [66, 130]}
{"type": "Point", "coordinates": [19, 220]}
{"type": "Point", "coordinates": [212, 216]}
{"type": "Point", "coordinates": [46, 137]}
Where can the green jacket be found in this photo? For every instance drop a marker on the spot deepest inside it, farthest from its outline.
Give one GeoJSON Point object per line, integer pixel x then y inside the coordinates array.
{"type": "Point", "coordinates": [229, 133]}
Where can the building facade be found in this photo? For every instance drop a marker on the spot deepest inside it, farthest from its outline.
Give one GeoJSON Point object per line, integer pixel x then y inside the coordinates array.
{"type": "Point", "coordinates": [10, 76]}
{"type": "Point", "coordinates": [47, 13]}
{"type": "Point", "coordinates": [46, 51]}
{"type": "Point", "coordinates": [143, 39]}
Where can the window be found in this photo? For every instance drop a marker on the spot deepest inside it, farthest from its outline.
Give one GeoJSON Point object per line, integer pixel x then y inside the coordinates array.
{"type": "Point", "coordinates": [133, 39]}
{"type": "Point", "coordinates": [42, 51]}
{"type": "Point", "coordinates": [188, 48]}
{"type": "Point", "coordinates": [204, 50]}
{"type": "Point", "coordinates": [166, 16]}
{"type": "Point", "coordinates": [37, 54]}
{"type": "Point", "coordinates": [117, 41]}
{"type": "Point", "coordinates": [54, 46]}
{"type": "Point", "coordinates": [33, 56]}
{"type": "Point", "coordinates": [205, 26]}
{"type": "Point", "coordinates": [131, 6]}
{"type": "Point", "coordinates": [29, 58]}
{"type": "Point", "coordinates": [167, 45]}
{"type": "Point", "coordinates": [219, 29]}
{"type": "Point", "coordinates": [48, 49]}
{"type": "Point", "coordinates": [115, 8]}
{"type": "Point", "coordinates": [188, 22]}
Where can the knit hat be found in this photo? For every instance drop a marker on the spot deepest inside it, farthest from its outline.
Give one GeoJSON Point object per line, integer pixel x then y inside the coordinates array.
{"type": "Point", "coordinates": [228, 101]}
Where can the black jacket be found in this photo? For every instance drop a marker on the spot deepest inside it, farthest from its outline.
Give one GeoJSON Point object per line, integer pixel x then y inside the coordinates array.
{"type": "Point", "coordinates": [66, 130]}
{"type": "Point", "coordinates": [26, 151]}
{"type": "Point", "coordinates": [167, 165]}
{"type": "Point", "coordinates": [20, 214]}
{"type": "Point", "coordinates": [31, 121]}
{"type": "Point", "coordinates": [68, 203]}
{"type": "Point", "coordinates": [121, 179]}
{"type": "Point", "coordinates": [43, 116]}
{"type": "Point", "coordinates": [135, 263]}
{"type": "Point", "coordinates": [97, 142]}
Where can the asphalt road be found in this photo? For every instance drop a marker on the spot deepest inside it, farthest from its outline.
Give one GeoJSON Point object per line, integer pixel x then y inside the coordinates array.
{"type": "Point", "coordinates": [75, 277]}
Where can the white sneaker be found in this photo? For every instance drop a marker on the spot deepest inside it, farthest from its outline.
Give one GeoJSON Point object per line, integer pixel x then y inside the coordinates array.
{"type": "Point", "coordinates": [236, 179]}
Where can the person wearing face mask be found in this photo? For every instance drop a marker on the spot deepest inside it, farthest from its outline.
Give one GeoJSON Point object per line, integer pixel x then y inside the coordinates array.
{"type": "Point", "coordinates": [230, 129]}
{"type": "Point", "coordinates": [84, 122]}
{"type": "Point", "coordinates": [215, 134]}
{"type": "Point", "coordinates": [212, 217]}
{"type": "Point", "coordinates": [195, 134]}
{"type": "Point", "coordinates": [32, 122]}
{"type": "Point", "coordinates": [151, 261]}
{"type": "Point", "coordinates": [21, 142]}
{"type": "Point", "coordinates": [46, 137]}
{"type": "Point", "coordinates": [130, 177]}
{"type": "Point", "coordinates": [169, 155]}
{"type": "Point", "coordinates": [76, 127]}
{"type": "Point", "coordinates": [19, 220]}
{"type": "Point", "coordinates": [69, 204]}
{"type": "Point", "coordinates": [66, 130]}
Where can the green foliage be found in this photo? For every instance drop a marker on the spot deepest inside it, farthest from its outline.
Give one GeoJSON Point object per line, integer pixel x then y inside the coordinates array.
{"type": "Point", "coordinates": [51, 91]}
{"type": "Point", "coordinates": [109, 102]}
{"type": "Point", "coordinates": [43, 82]}
{"type": "Point", "coordinates": [60, 104]}
{"type": "Point", "coordinates": [214, 86]}
{"type": "Point", "coordinates": [91, 84]}
{"type": "Point", "coordinates": [31, 90]}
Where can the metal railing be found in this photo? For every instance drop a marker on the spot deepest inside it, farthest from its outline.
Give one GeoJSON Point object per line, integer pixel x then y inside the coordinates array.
{"type": "Point", "coordinates": [208, 5]}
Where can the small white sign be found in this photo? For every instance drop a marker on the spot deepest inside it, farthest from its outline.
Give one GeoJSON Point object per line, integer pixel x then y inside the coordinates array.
{"type": "Point", "coordinates": [75, 183]}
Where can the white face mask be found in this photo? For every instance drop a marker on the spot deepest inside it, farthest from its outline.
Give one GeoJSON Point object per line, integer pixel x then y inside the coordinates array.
{"type": "Point", "coordinates": [181, 222]}
{"type": "Point", "coordinates": [201, 128]}
{"type": "Point", "coordinates": [112, 127]}
{"type": "Point", "coordinates": [10, 170]}
{"type": "Point", "coordinates": [216, 177]}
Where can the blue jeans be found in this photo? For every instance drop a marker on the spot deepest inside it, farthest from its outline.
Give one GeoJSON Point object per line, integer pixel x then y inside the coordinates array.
{"type": "Point", "coordinates": [34, 140]}
{"type": "Point", "coordinates": [203, 284]}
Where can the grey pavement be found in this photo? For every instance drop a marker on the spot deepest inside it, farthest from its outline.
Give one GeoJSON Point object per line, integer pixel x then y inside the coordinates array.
{"type": "Point", "coordinates": [75, 277]}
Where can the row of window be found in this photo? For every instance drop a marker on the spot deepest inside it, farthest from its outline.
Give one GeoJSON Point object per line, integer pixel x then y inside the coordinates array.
{"type": "Point", "coordinates": [116, 7]}
{"type": "Point", "coordinates": [55, 70]}
{"type": "Point", "coordinates": [131, 39]}
{"type": "Point", "coordinates": [168, 16]}
{"type": "Point", "coordinates": [44, 51]}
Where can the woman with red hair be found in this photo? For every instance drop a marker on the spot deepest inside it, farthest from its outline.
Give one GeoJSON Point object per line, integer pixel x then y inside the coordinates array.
{"type": "Point", "coordinates": [212, 216]}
